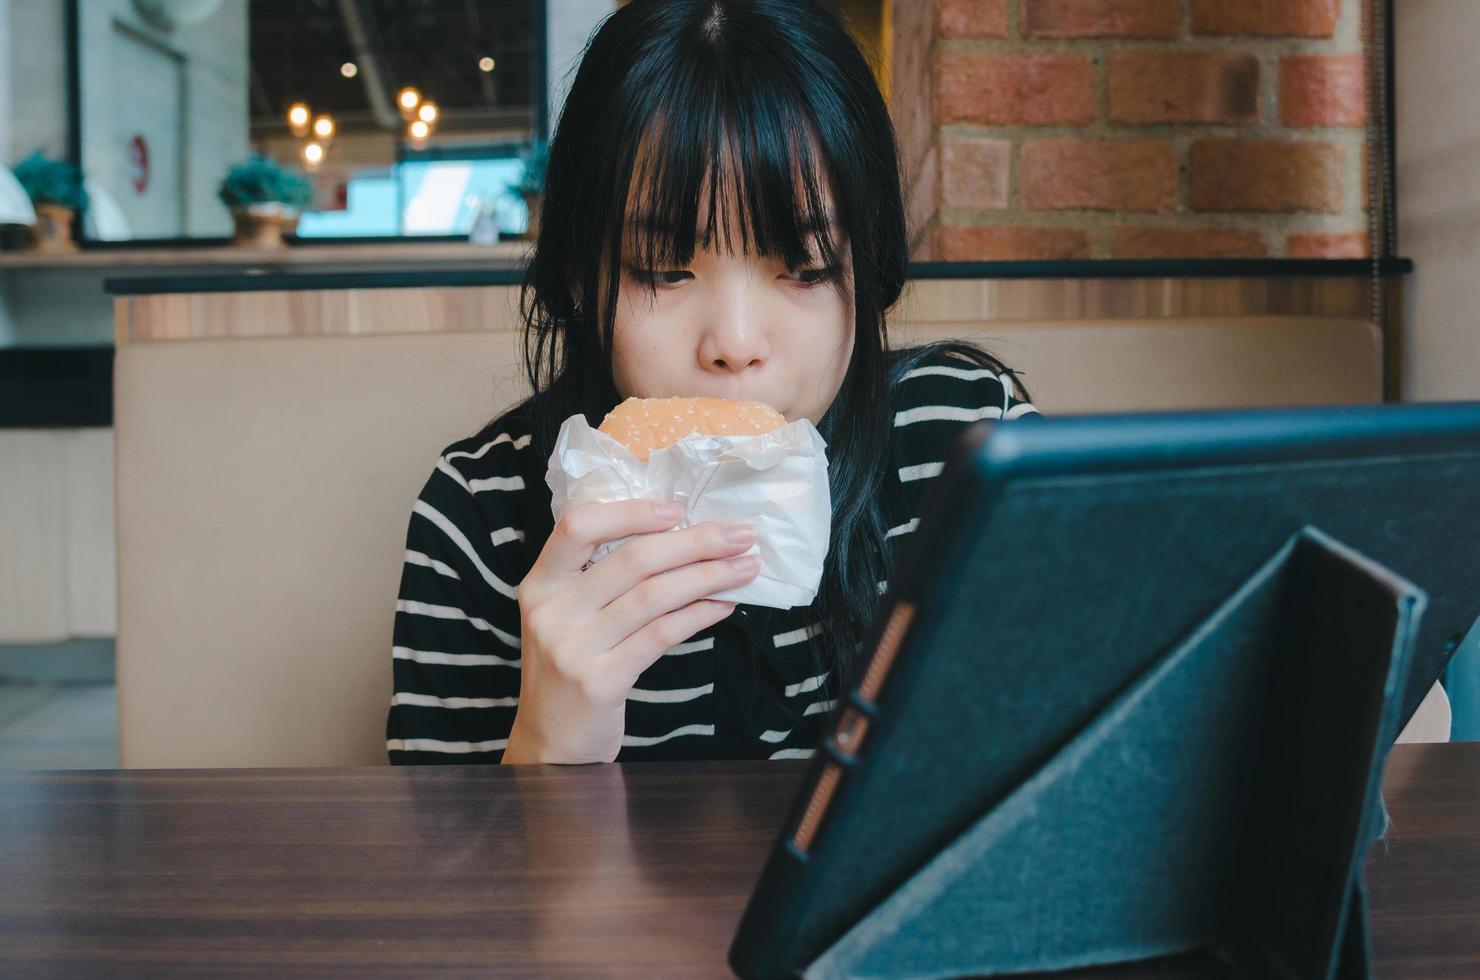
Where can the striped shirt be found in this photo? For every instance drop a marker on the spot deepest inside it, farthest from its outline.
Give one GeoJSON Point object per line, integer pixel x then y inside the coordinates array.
{"type": "Point", "coordinates": [748, 687]}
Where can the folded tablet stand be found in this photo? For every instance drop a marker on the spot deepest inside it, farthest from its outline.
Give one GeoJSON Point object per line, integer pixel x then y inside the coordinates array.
{"type": "Point", "coordinates": [1223, 801]}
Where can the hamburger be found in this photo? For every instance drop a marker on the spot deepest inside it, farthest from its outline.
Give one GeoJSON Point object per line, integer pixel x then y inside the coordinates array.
{"type": "Point", "coordinates": [646, 424]}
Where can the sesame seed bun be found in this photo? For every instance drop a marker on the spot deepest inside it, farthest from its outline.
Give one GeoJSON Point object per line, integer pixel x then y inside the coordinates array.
{"type": "Point", "coordinates": [645, 424]}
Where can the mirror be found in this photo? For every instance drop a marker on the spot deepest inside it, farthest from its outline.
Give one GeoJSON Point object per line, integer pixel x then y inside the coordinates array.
{"type": "Point", "coordinates": [408, 116]}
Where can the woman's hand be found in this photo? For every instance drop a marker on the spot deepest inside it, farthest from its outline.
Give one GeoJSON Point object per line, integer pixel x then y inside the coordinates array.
{"type": "Point", "coordinates": [586, 636]}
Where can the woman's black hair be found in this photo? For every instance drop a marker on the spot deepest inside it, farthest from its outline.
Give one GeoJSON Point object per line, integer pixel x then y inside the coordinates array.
{"type": "Point", "coordinates": [759, 101]}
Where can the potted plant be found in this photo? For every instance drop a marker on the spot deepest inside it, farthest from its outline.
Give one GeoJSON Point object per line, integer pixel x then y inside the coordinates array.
{"type": "Point", "coordinates": [56, 192]}
{"type": "Point", "coordinates": [265, 199]}
{"type": "Point", "coordinates": [531, 186]}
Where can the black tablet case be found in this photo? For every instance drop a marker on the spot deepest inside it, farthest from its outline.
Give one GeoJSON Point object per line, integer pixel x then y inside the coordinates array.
{"type": "Point", "coordinates": [1043, 822]}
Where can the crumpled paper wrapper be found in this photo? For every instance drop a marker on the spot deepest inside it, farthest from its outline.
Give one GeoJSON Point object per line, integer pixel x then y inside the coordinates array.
{"type": "Point", "coordinates": [776, 481]}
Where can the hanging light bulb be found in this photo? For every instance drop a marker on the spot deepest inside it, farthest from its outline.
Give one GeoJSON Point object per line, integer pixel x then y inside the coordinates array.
{"type": "Point", "coordinates": [349, 69]}
{"type": "Point", "coordinates": [323, 127]}
{"type": "Point", "coordinates": [427, 112]}
{"type": "Point", "coordinates": [419, 130]}
{"type": "Point", "coordinates": [485, 63]}
{"type": "Point", "coordinates": [408, 99]}
{"type": "Point", "coordinates": [298, 116]}
{"type": "Point", "coordinates": [313, 155]}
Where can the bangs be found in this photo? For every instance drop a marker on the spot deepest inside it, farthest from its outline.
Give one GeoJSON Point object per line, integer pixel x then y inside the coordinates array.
{"type": "Point", "coordinates": [728, 163]}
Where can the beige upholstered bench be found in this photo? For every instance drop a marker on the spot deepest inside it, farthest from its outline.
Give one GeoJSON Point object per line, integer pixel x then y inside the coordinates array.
{"type": "Point", "coordinates": [264, 487]}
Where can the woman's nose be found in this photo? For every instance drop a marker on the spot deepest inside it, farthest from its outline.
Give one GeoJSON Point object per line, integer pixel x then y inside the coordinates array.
{"type": "Point", "coordinates": [735, 337]}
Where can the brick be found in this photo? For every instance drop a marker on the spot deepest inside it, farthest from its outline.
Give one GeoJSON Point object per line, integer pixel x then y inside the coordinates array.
{"type": "Point", "coordinates": [1102, 18]}
{"type": "Point", "coordinates": [957, 244]}
{"type": "Point", "coordinates": [972, 18]}
{"type": "Point", "coordinates": [1110, 175]}
{"type": "Point", "coordinates": [1266, 175]}
{"type": "Point", "coordinates": [1323, 90]}
{"type": "Point", "coordinates": [1329, 245]}
{"type": "Point", "coordinates": [1266, 18]}
{"type": "Point", "coordinates": [1184, 87]}
{"type": "Point", "coordinates": [974, 172]}
{"type": "Point", "coordinates": [1189, 243]}
{"type": "Point", "coordinates": [1007, 89]}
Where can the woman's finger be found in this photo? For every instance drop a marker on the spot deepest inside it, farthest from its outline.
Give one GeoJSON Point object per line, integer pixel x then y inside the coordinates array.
{"type": "Point", "coordinates": [652, 554]}
{"type": "Point", "coordinates": [643, 649]}
{"type": "Point", "coordinates": [661, 594]}
{"type": "Point", "coordinates": [579, 533]}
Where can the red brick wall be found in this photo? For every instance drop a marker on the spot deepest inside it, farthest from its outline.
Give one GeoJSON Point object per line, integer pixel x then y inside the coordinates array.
{"type": "Point", "coordinates": [1045, 129]}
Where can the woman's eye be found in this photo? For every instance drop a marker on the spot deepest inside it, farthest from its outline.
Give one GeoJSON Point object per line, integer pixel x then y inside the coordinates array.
{"type": "Point", "coordinates": [676, 277]}
{"type": "Point", "coordinates": [660, 277]}
{"type": "Point", "coordinates": [814, 277]}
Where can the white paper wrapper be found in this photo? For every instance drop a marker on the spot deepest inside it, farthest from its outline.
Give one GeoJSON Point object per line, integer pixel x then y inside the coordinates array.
{"type": "Point", "coordinates": [776, 481]}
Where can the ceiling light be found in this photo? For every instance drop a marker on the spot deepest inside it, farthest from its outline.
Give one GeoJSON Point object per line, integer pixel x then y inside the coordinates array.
{"type": "Point", "coordinates": [298, 118]}
{"type": "Point", "coordinates": [427, 112]}
{"type": "Point", "coordinates": [485, 63]}
{"type": "Point", "coordinates": [349, 69]}
{"type": "Point", "coordinates": [419, 130]}
{"type": "Point", "coordinates": [323, 127]}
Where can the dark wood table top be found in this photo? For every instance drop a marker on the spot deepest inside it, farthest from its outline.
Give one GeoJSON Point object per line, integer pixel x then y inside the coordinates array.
{"type": "Point", "coordinates": [638, 870]}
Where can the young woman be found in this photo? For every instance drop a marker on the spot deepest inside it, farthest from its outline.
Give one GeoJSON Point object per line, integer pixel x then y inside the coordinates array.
{"type": "Point", "coordinates": [722, 217]}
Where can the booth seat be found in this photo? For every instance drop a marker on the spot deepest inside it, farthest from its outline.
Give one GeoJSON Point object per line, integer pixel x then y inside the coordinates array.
{"type": "Point", "coordinates": [264, 486]}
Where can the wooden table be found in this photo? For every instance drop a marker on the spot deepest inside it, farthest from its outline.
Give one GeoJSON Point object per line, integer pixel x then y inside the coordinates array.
{"type": "Point", "coordinates": [637, 870]}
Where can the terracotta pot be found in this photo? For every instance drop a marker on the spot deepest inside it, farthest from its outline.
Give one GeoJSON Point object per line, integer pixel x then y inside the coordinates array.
{"type": "Point", "coordinates": [262, 226]}
{"type": "Point", "coordinates": [532, 201]}
{"type": "Point", "coordinates": [53, 229]}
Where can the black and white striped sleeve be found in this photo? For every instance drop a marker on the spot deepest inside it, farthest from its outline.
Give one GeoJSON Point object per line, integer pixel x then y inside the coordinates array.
{"type": "Point", "coordinates": [934, 403]}
{"type": "Point", "coordinates": [456, 637]}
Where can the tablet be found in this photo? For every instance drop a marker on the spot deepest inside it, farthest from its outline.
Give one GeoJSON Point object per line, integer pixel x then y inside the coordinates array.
{"type": "Point", "coordinates": [1056, 561]}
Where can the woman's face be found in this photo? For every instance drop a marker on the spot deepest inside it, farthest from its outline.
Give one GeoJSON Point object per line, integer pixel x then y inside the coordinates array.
{"type": "Point", "coordinates": [736, 326]}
